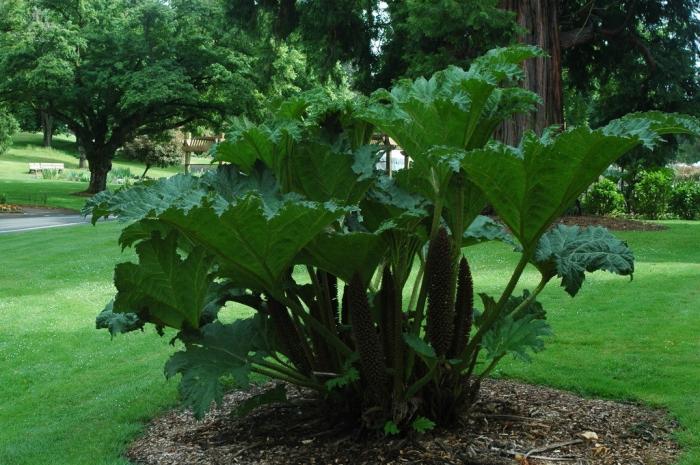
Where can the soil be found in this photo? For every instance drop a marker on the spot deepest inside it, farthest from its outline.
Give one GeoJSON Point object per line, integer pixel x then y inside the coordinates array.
{"type": "Point", "coordinates": [10, 208]}
{"type": "Point", "coordinates": [613, 224]}
{"type": "Point", "coordinates": [513, 423]}
{"type": "Point", "coordinates": [30, 210]}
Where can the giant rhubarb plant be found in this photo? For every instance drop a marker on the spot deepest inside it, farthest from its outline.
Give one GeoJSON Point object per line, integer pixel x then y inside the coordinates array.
{"type": "Point", "coordinates": [358, 283]}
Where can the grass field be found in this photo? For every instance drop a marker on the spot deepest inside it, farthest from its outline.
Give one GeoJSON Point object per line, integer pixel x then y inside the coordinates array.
{"type": "Point", "coordinates": [70, 396]}
{"type": "Point", "coordinates": [23, 188]}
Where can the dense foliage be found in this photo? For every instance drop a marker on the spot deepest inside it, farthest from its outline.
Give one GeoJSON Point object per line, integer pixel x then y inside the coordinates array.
{"type": "Point", "coordinates": [8, 126]}
{"type": "Point", "coordinates": [652, 193]}
{"type": "Point", "coordinates": [684, 201]}
{"type": "Point", "coordinates": [112, 70]}
{"type": "Point", "coordinates": [603, 198]}
{"type": "Point", "coordinates": [300, 228]}
{"type": "Point", "coordinates": [153, 151]}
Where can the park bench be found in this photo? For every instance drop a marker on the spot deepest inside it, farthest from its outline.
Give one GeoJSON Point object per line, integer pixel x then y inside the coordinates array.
{"type": "Point", "coordinates": [37, 167]}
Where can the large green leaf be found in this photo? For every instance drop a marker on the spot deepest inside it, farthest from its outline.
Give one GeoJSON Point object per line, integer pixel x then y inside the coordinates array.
{"type": "Point", "coordinates": [515, 334]}
{"type": "Point", "coordinates": [163, 288]}
{"type": "Point", "coordinates": [254, 242]}
{"type": "Point", "coordinates": [516, 337]}
{"type": "Point", "coordinates": [117, 323]}
{"type": "Point", "coordinates": [532, 186]}
{"type": "Point", "coordinates": [569, 252]}
{"type": "Point", "coordinates": [248, 143]}
{"type": "Point", "coordinates": [220, 353]}
{"type": "Point", "coordinates": [145, 199]}
{"type": "Point", "coordinates": [483, 229]}
{"type": "Point", "coordinates": [148, 200]}
{"type": "Point", "coordinates": [453, 108]}
{"type": "Point", "coordinates": [320, 172]}
{"type": "Point", "coordinates": [345, 253]}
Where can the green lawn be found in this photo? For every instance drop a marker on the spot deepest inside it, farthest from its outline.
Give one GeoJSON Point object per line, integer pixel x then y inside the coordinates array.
{"type": "Point", "coordinates": [27, 189]}
{"type": "Point", "coordinates": [69, 395]}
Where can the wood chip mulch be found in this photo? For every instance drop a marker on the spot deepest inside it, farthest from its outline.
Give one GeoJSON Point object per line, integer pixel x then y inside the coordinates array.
{"type": "Point", "coordinates": [513, 423]}
{"type": "Point", "coordinates": [613, 224]}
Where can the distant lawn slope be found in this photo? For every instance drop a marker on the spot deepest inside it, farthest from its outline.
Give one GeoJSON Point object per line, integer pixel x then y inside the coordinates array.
{"type": "Point", "coordinates": [71, 396]}
{"type": "Point", "coordinates": [20, 187]}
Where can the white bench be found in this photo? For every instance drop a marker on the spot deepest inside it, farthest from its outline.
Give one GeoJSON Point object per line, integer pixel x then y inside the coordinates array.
{"type": "Point", "coordinates": [36, 167]}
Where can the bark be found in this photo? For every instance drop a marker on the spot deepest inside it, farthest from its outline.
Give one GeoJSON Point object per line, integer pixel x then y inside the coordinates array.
{"type": "Point", "coordinates": [47, 128]}
{"type": "Point", "coordinates": [100, 164]}
{"type": "Point", "coordinates": [82, 163]}
{"type": "Point", "coordinates": [148, 167]}
{"type": "Point", "coordinates": [539, 18]}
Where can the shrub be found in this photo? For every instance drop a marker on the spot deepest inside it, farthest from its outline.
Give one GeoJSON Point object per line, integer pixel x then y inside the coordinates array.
{"type": "Point", "coordinates": [153, 151]}
{"type": "Point", "coordinates": [8, 127]}
{"type": "Point", "coordinates": [51, 174]}
{"type": "Point", "coordinates": [685, 200]}
{"type": "Point", "coordinates": [300, 228]}
{"type": "Point", "coordinates": [119, 176]}
{"type": "Point", "coordinates": [652, 193]}
{"type": "Point", "coordinates": [77, 176]}
{"type": "Point", "coordinates": [603, 198]}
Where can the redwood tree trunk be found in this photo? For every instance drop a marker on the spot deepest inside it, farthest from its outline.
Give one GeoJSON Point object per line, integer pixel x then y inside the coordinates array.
{"type": "Point", "coordinates": [47, 128]}
{"type": "Point", "coordinates": [540, 19]}
{"type": "Point", "coordinates": [100, 164]}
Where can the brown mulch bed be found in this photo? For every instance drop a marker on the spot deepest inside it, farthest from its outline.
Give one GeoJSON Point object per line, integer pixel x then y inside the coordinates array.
{"type": "Point", "coordinates": [613, 224]}
{"type": "Point", "coordinates": [510, 420]}
{"type": "Point", "coordinates": [10, 208]}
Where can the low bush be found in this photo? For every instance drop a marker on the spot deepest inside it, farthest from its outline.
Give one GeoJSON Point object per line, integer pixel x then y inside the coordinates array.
{"type": "Point", "coordinates": [603, 198]}
{"type": "Point", "coordinates": [77, 176]}
{"type": "Point", "coordinates": [120, 176]}
{"type": "Point", "coordinates": [160, 151]}
{"type": "Point", "coordinates": [50, 174]}
{"type": "Point", "coordinates": [652, 193]}
{"type": "Point", "coordinates": [685, 200]}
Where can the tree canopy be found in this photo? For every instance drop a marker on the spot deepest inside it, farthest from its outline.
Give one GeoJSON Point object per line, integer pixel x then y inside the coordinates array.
{"type": "Point", "coordinates": [111, 70]}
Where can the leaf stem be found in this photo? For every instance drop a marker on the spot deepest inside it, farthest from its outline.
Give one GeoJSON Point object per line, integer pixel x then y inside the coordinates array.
{"type": "Point", "coordinates": [332, 339]}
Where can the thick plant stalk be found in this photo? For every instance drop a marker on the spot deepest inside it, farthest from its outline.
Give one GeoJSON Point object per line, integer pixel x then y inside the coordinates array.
{"type": "Point", "coordinates": [333, 294]}
{"type": "Point", "coordinates": [392, 328]}
{"type": "Point", "coordinates": [464, 309]}
{"type": "Point", "coordinates": [367, 340]}
{"type": "Point", "coordinates": [388, 302]}
{"type": "Point", "coordinates": [288, 336]}
{"type": "Point", "coordinates": [323, 358]}
{"type": "Point", "coordinates": [439, 270]}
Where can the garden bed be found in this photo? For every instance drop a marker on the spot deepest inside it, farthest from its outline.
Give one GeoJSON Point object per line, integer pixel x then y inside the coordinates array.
{"type": "Point", "coordinates": [613, 224]}
{"type": "Point", "coordinates": [10, 208]}
{"type": "Point", "coordinates": [510, 421]}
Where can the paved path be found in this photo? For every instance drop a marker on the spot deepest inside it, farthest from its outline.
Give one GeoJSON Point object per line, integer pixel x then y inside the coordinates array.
{"type": "Point", "coordinates": [18, 222]}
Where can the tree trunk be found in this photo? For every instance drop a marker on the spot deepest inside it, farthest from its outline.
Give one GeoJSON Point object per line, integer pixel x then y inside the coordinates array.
{"type": "Point", "coordinates": [82, 163]}
{"type": "Point", "coordinates": [100, 164]}
{"type": "Point", "coordinates": [540, 20]}
{"type": "Point", "coordinates": [47, 128]}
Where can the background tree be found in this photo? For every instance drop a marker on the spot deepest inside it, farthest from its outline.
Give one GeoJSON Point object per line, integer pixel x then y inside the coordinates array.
{"type": "Point", "coordinates": [8, 126]}
{"type": "Point", "coordinates": [125, 68]}
{"type": "Point", "coordinates": [619, 56]}
{"type": "Point", "coordinates": [160, 150]}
